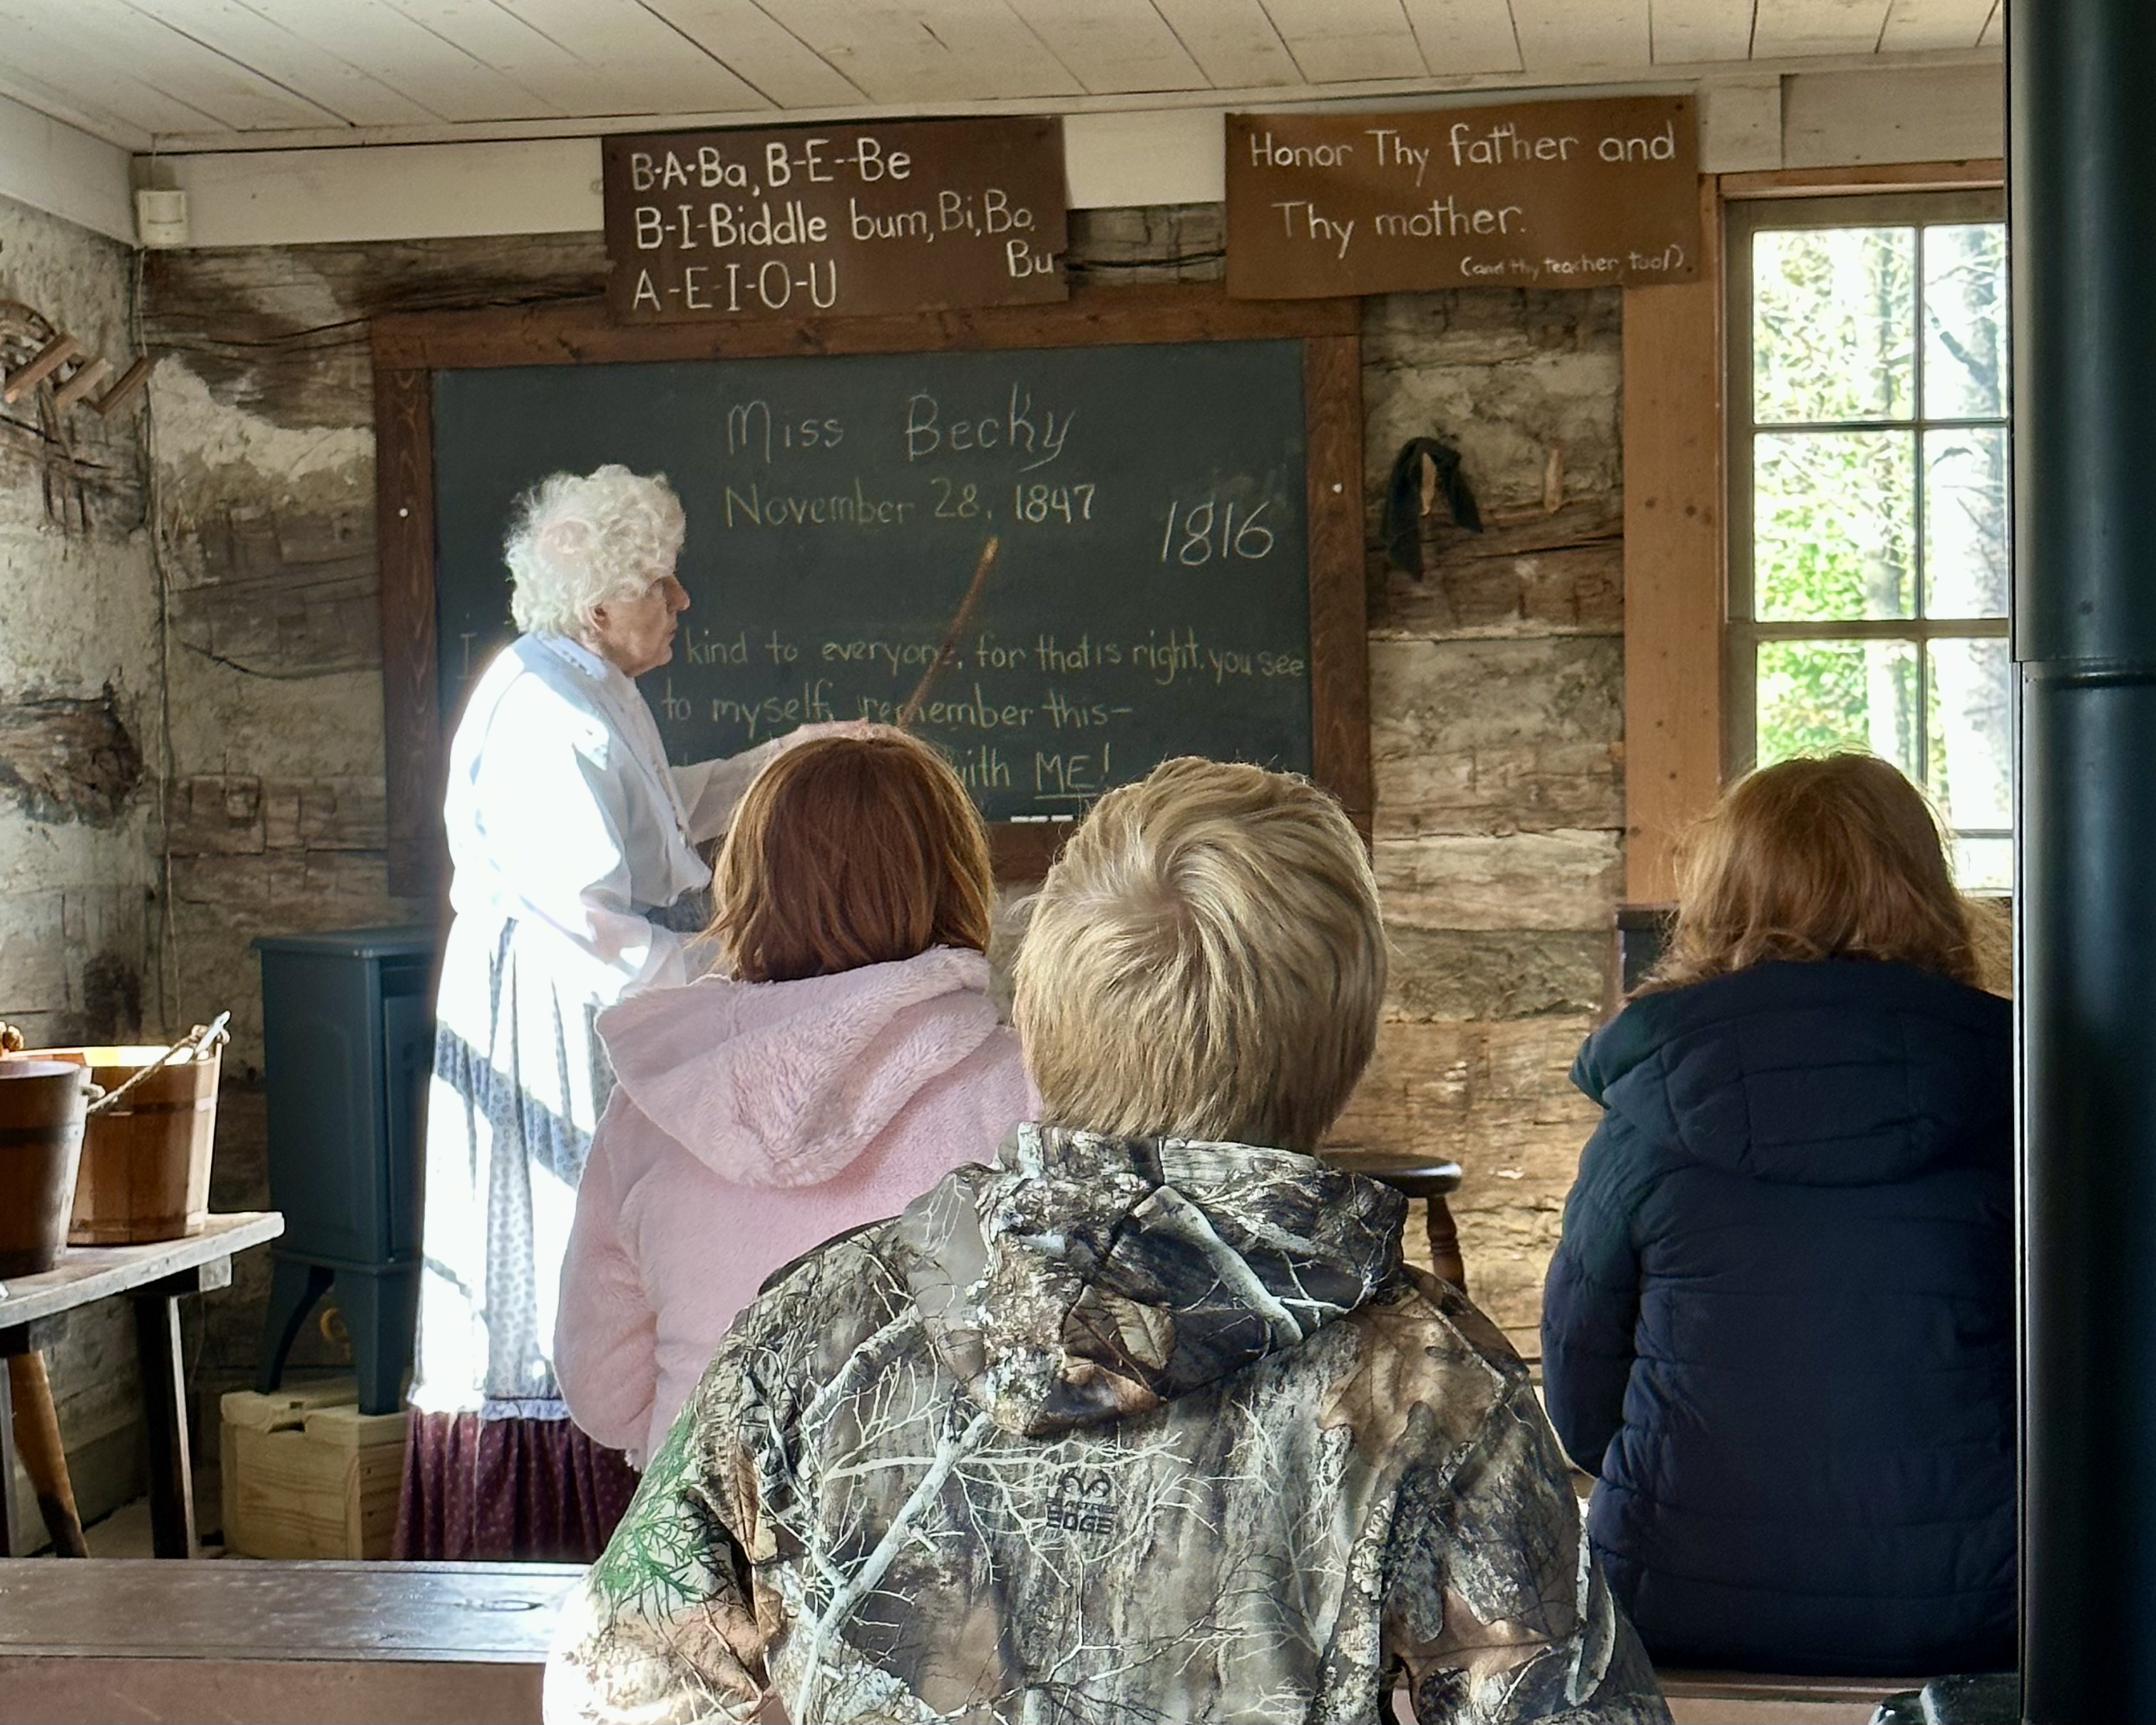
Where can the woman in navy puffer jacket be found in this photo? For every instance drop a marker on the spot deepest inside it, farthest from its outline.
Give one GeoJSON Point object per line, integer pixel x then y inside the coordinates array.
{"type": "Point", "coordinates": [1779, 1324]}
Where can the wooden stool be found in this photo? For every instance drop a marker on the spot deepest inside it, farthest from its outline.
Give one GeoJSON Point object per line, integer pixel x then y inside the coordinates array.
{"type": "Point", "coordinates": [1430, 1179]}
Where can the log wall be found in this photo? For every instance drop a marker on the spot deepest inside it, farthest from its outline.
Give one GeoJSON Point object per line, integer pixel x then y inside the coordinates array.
{"type": "Point", "coordinates": [79, 739]}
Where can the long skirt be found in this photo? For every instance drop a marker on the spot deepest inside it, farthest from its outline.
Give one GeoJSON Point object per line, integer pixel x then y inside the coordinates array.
{"type": "Point", "coordinates": [508, 1491]}
{"type": "Point", "coordinates": [495, 1467]}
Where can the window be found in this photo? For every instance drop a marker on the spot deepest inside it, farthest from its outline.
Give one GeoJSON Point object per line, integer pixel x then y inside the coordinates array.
{"type": "Point", "coordinates": [1868, 496]}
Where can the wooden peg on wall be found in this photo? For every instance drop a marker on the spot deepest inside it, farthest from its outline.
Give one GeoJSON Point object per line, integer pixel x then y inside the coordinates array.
{"type": "Point", "coordinates": [55, 354]}
{"type": "Point", "coordinates": [1553, 480]}
{"type": "Point", "coordinates": [84, 378]}
{"type": "Point", "coordinates": [130, 381]}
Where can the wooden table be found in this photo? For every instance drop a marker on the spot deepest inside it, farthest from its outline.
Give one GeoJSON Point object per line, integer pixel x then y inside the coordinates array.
{"type": "Point", "coordinates": [154, 1276]}
{"type": "Point", "coordinates": [239, 1641]}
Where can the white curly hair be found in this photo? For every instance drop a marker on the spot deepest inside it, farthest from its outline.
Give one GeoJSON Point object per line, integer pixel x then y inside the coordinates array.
{"type": "Point", "coordinates": [581, 540]}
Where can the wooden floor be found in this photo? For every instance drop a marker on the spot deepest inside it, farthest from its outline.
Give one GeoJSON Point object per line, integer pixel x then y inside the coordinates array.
{"type": "Point", "coordinates": [316, 1644]}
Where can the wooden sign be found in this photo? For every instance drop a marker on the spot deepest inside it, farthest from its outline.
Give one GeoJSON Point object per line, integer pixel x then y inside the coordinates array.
{"type": "Point", "coordinates": [913, 216]}
{"type": "Point", "coordinates": [1587, 193]}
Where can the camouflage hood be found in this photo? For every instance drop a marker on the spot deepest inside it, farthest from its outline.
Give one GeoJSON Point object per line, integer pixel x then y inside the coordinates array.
{"type": "Point", "coordinates": [1337, 1482]}
{"type": "Point", "coordinates": [1086, 1279]}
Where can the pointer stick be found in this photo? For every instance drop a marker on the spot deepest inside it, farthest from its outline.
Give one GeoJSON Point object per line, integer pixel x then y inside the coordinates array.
{"type": "Point", "coordinates": [911, 710]}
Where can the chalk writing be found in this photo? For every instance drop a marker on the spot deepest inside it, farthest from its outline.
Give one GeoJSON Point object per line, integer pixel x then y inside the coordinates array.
{"type": "Point", "coordinates": [752, 506]}
{"type": "Point", "coordinates": [750, 428]}
{"type": "Point", "coordinates": [1149, 597]}
{"type": "Point", "coordinates": [1018, 429]}
{"type": "Point", "coordinates": [1072, 776]}
{"type": "Point", "coordinates": [1039, 503]}
{"type": "Point", "coordinates": [1209, 524]}
{"type": "Point", "coordinates": [956, 502]}
{"type": "Point", "coordinates": [1000, 695]}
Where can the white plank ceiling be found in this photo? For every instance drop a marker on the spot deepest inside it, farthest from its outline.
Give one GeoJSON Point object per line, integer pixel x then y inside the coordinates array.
{"type": "Point", "coordinates": [219, 73]}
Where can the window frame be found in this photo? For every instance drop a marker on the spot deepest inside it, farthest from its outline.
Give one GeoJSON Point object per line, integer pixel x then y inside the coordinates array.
{"type": "Point", "coordinates": [1743, 633]}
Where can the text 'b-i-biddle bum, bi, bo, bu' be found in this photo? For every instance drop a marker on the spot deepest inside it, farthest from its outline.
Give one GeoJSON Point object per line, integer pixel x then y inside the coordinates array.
{"type": "Point", "coordinates": [916, 215]}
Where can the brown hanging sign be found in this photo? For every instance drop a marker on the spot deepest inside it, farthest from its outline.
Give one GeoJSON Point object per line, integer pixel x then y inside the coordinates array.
{"type": "Point", "coordinates": [916, 215]}
{"type": "Point", "coordinates": [1588, 193]}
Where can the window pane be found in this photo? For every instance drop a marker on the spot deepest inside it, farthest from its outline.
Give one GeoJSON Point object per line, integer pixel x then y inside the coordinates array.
{"type": "Point", "coordinates": [1971, 743]}
{"type": "Point", "coordinates": [1818, 697]}
{"type": "Point", "coordinates": [1965, 322]}
{"type": "Point", "coordinates": [1965, 529]}
{"type": "Point", "coordinates": [1834, 313]}
{"type": "Point", "coordinates": [1983, 864]}
{"type": "Point", "coordinates": [1831, 520]}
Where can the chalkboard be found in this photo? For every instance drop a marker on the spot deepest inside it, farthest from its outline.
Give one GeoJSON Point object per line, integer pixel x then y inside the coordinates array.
{"type": "Point", "coordinates": [1154, 503]}
{"type": "Point", "coordinates": [1150, 594]}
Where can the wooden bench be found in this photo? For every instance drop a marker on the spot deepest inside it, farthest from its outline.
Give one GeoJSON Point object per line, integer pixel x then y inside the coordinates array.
{"type": "Point", "coordinates": [317, 1644]}
{"type": "Point", "coordinates": [310, 1643]}
{"type": "Point", "coordinates": [1750, 1698]}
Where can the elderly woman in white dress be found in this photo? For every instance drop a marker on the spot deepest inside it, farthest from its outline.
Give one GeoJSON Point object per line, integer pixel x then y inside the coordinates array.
{"type": "Point", "coordinates": [573, 844]}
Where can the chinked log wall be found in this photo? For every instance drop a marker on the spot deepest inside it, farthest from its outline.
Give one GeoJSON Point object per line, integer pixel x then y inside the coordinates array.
{"type": "Point", "coordinates": [1497, 681]}
{"type": "Point", "coordinates": [78, 738]}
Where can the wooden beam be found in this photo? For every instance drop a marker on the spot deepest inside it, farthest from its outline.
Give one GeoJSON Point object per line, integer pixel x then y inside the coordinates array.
{"type": "Point", "coordinates": [578, 332]}
{"type": "Point", "coordinates": [1339, 620]}
{"type": "Point", "coordinates": [404, 536]}
{"type": "Point", "coordinates": [1979, 175]}
{"type": "Point", "coordinates": [1674, 557]}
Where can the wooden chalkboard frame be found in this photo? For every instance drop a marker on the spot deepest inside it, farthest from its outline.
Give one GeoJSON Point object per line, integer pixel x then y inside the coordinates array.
{"type": "Point", "coordinates": [408, 347]}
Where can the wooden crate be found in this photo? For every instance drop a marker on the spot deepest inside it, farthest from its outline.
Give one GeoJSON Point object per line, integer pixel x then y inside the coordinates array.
{"type": "Point", "coordinates": [307, 1475]}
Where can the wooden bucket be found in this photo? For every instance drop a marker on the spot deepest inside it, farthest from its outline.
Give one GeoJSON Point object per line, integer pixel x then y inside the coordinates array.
{"type": "Point", "coordinates": [41, 1132]}
{"type": "Point", "coordinates": [145, 1159]}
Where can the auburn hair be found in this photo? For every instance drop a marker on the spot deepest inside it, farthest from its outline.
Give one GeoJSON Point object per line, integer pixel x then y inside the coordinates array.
{"type": "Point", "coordinates": [847, 851]}
{"type": "Point", "coordinates": [1834, 856]}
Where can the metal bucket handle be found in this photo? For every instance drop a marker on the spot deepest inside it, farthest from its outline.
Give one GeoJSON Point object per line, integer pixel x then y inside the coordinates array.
{"type": "Point", "coordinates": [203, 1039]}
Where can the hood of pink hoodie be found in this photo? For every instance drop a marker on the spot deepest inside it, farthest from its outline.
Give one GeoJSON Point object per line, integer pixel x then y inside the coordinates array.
{"type": "Point", "coordinates": [786, 1084]}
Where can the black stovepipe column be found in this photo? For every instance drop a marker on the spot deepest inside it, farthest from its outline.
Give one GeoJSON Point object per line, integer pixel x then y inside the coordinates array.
{"type": "Point", "coordinates": [2082, 179]}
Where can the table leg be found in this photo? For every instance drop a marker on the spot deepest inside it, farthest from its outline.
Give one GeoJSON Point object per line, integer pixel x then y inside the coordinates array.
{"type": "Point", "coordinates": [7, 1470]}
{"type": "Point", "coordinates": [165, 1411]}
{"type": "Point", "coordinates": [36, 1427]}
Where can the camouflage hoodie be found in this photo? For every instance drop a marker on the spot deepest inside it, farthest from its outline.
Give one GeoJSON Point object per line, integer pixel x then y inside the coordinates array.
{"type": "Point", "coordinates": [1116, 1430]}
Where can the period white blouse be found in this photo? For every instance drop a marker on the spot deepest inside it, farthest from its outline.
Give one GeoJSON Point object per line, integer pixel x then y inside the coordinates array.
{"type": "Point", "coordinates": [563, 812]}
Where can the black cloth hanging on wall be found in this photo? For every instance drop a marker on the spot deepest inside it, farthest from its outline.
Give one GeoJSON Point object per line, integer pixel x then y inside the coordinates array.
{"type": "Point", "coordinates": [1401, 523]}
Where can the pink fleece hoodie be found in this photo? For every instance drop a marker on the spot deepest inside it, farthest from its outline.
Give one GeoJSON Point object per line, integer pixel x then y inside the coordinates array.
{"type": "Point", "coordinates": [749, 1123]}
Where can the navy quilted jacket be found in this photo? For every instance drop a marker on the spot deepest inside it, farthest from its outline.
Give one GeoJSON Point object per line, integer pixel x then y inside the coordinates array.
{"type": "Point", "coordinates": [1779, 1325]}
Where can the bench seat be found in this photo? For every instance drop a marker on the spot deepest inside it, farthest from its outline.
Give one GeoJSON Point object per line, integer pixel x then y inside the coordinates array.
{"type": "Point", "coordinates": [310, 1643]}
{"type": "Point", "coordinates": [323, 1643]}
{"type": "Point", "coordinates": [1751, 1698]}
